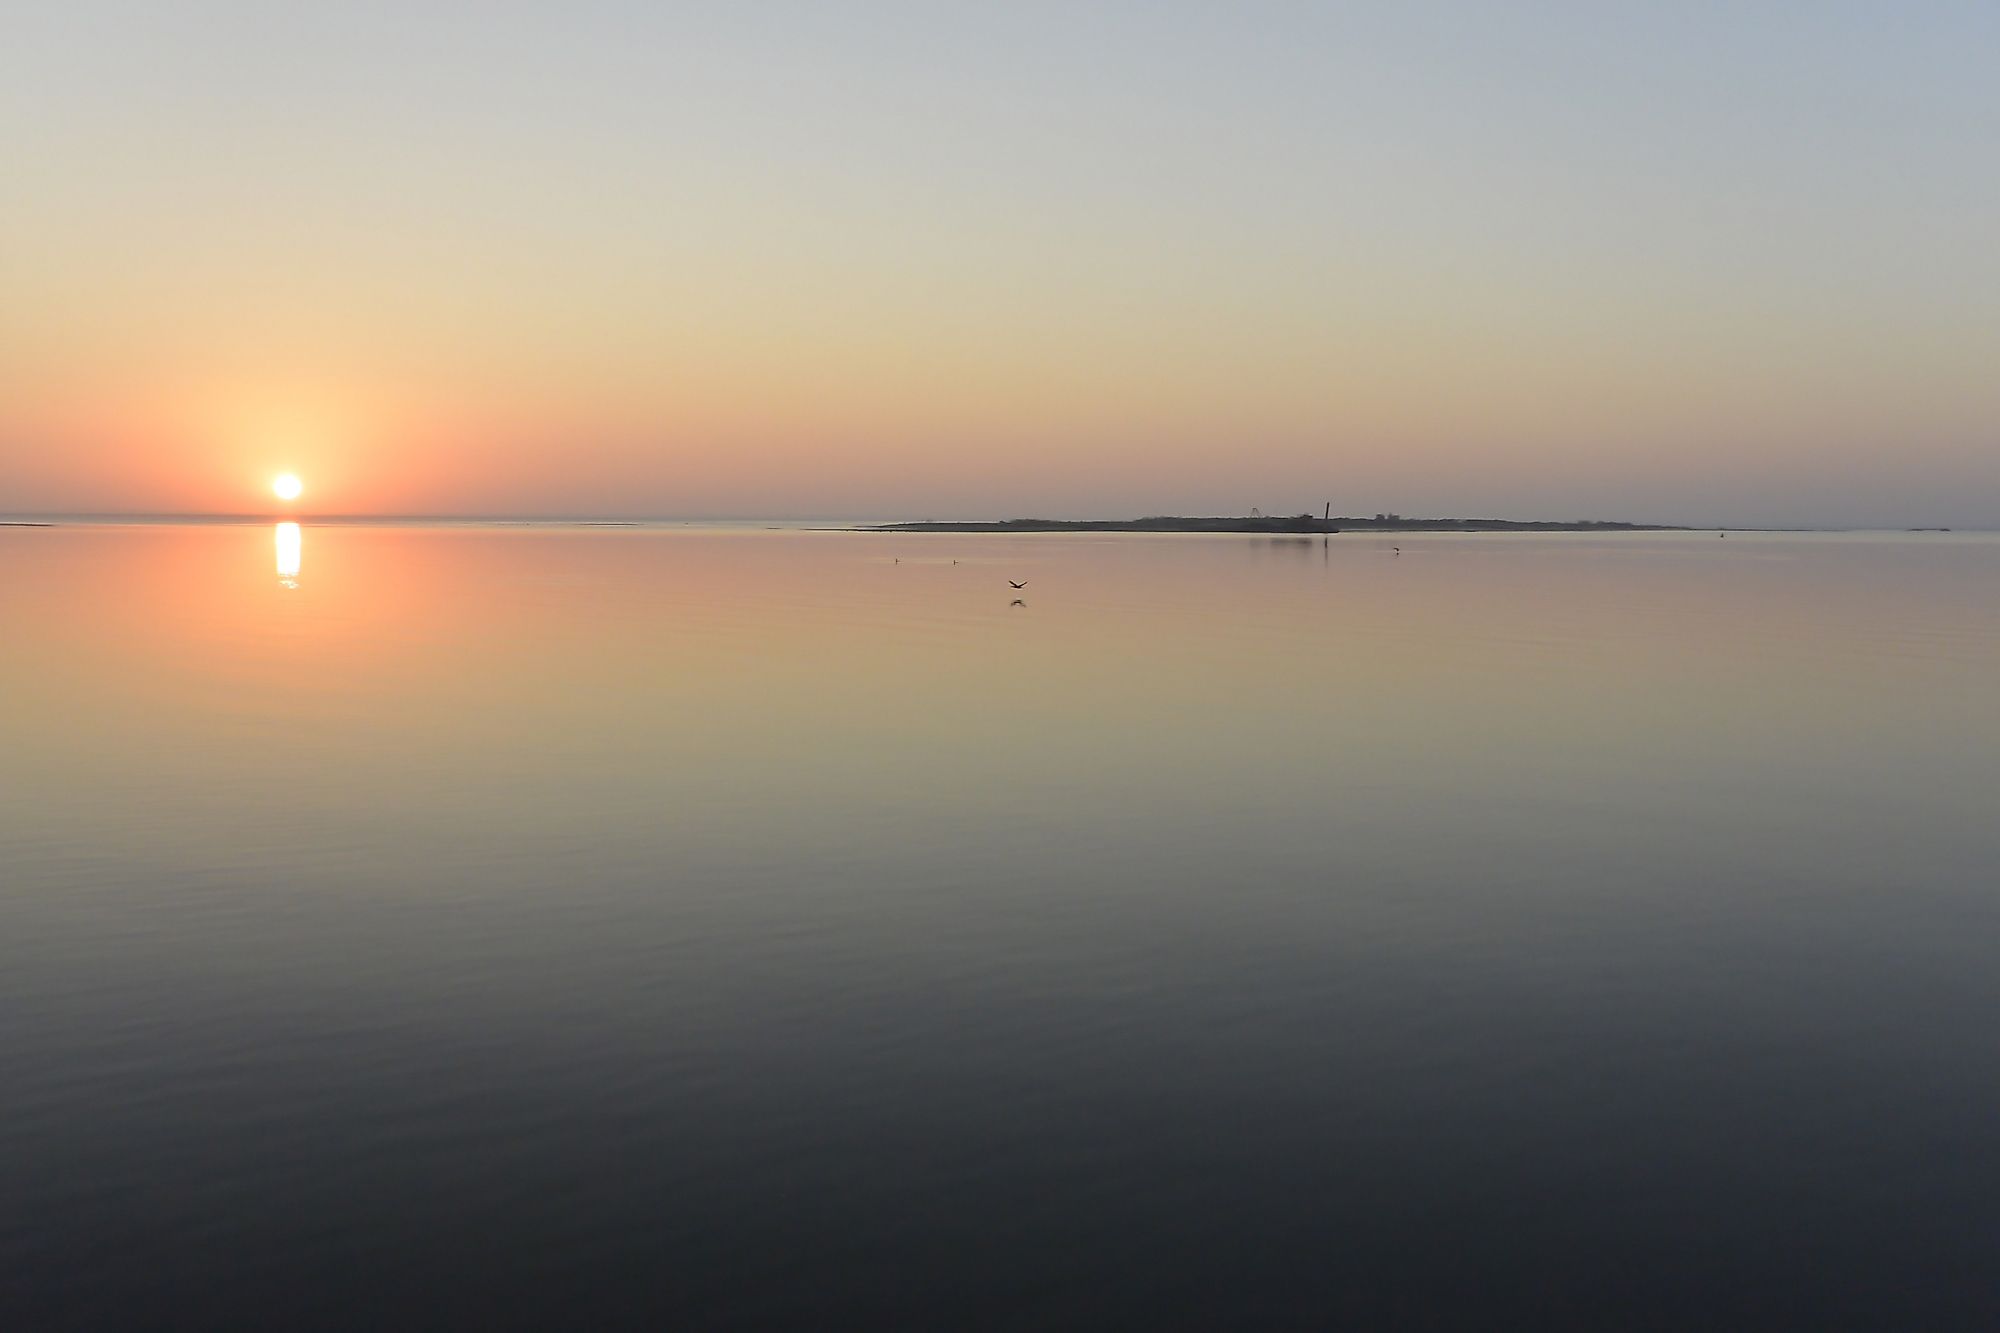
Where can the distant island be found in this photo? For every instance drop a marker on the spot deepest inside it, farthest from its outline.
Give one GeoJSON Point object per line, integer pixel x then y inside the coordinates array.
{"type": "Point", "coordinates": [1262, 523]}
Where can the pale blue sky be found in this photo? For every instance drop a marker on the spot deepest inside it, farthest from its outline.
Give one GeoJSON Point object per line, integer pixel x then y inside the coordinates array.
{"type": "Point", "coordinates": [1690, 261]}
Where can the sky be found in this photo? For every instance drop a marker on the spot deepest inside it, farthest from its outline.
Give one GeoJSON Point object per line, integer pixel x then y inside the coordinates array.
{"type": "Point", "coordinates": [1675, 262]}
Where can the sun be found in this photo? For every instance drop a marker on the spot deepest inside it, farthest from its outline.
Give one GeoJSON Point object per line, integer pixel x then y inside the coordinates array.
{"type": "Point", "coordinates": [286, 486]}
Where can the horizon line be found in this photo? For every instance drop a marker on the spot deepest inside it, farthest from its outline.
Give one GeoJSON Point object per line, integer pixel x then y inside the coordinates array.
{"type": "Point", "coordinates": [255, 516]}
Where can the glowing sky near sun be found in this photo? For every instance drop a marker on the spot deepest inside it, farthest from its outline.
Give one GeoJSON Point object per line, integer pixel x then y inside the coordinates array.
{"type": "Point", "coordinates": [1676, 262]}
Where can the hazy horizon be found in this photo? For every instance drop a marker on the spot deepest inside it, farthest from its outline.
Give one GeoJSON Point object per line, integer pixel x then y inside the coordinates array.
{"type": "Point", "coordinates": [280, 514]}
{"type": "Point", "coordinates": [1704, 266]}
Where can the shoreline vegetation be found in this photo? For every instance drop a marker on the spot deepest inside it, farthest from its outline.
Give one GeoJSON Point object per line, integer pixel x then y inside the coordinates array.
{"type": "Point", "coordinates": [1261, 523]}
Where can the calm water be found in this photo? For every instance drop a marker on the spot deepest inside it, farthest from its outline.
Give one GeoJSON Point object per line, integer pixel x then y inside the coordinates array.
{"type": "Point", "coordinates": [740, 928]}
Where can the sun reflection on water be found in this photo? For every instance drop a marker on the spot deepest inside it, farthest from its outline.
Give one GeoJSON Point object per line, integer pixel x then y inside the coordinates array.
{"type": "Point", "coordinates": [290, 541]}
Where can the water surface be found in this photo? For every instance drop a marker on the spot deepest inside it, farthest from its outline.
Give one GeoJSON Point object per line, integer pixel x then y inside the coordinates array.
{"type": "Point", "coordinates": [563, 926]}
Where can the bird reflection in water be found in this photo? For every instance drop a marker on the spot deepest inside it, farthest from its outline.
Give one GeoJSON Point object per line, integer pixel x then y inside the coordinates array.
{"type": "Point", "coordinates": [290, 542]}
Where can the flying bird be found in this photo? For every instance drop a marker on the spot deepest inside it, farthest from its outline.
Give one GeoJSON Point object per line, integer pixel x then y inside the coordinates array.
{"type": "Point", "coordinates": [1022, 584]}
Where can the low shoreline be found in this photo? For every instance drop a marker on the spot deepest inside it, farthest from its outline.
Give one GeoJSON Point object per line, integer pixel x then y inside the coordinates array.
{"type": "Point", "coordinates": [1302, 525]}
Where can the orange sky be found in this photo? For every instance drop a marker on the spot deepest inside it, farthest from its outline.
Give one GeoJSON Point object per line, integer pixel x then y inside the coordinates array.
{"type": "Point", "coordinates": [909, 263]}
